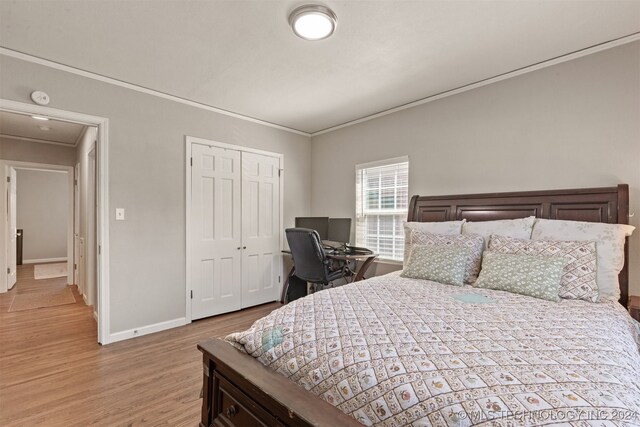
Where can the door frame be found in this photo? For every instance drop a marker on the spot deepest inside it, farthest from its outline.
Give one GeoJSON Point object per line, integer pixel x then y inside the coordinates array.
{"type": "Point", "coordinates": [44, 167]}
{"type": "Point", "coordinates": [189, 141]}
{"type": "Point", "coordinates": [102, 195]}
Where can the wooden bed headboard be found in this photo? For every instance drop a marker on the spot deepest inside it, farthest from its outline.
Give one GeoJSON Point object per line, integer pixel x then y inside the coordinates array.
{"type": "Point", "coordinates": [608, 204]}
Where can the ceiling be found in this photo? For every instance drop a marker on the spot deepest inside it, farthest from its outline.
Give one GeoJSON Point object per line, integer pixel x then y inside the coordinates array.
{"type": "Point", "coordinates": [241, 56]}
{"type": "Point", "coordinates": [50, 131]}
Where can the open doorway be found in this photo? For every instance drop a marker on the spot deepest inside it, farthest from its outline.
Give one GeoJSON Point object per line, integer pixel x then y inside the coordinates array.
{"type": "Point", "coordinates": [43, 216]}
{"type": "Point", "coordinates": [36, 170]}
{"type": "Point", "coordinates": [40, 223]}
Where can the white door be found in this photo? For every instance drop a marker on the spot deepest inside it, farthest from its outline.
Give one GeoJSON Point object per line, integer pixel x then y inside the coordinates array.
{"type": "Point", "coordinates": [12, 229]}
{"type": "Point", "coordinates": [76, 228]}
{"type": "Point", "coordinates": [82, 268]}
{"type": "Point", "coordinates": [261, 229]}
{"type": "Point", "coordinates": [90, 234]}
{"type": "Point", "coordinates": [216, 240]}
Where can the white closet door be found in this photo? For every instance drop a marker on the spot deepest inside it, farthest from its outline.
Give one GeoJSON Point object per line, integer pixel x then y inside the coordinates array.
{"type": "Point", "coordinates": [13, 232]}
{"type": "Point", "coordinates": [261, 229]}
{"type": "Point", "coordinates": [216, 231]}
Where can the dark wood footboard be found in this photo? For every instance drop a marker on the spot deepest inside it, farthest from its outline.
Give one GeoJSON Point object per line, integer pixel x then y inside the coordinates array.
{"type": "Point", "coordinates": [240, 391]}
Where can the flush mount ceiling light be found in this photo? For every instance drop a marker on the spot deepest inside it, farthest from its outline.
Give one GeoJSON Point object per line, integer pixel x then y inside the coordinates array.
{"type": "Point", "coordinates": [313, 22]}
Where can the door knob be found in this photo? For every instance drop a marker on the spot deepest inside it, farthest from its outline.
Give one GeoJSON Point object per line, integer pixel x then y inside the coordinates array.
{"type": "Point", "coordinates": [239, 248]}
{"type": "Point", "coordinates": [244, 247]}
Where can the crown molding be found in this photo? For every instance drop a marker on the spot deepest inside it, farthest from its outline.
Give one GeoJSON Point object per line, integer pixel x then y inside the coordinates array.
{"type": "Point", "coordinates": [528, 69]}
{"type": "Point", "coordinates": [77, 71]}
{"type": "Point", "coordinates": [514, 73]}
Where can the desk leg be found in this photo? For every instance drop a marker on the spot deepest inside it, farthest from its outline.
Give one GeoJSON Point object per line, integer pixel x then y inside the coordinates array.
{"type": "Point", "coordinates": [363, 269]}
{"type": "Point", "coordinates": [285, 285]}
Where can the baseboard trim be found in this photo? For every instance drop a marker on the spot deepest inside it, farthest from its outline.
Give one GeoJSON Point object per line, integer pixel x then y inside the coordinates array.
{"type": "Point", "coordinates": [44, 260]}
{"type": "Point", "coordinates": [146, 330]}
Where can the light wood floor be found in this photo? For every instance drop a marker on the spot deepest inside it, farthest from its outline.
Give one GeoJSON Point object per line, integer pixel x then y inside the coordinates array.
{"type": "Point", "coordinates": [53, 372]}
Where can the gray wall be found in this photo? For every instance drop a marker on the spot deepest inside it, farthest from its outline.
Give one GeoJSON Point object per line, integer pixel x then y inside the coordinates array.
{"type": "Point", "coordinates": [27, 151]}
{"type": "Point", "coordinates": [147, 177]}
{"type": "Point", "coordinates": [42, 211]}
{"type": "Point", "coordinates": [575, 124]}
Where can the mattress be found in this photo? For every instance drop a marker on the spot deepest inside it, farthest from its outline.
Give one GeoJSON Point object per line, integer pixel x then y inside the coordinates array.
{"type": "Point", "coordinates": [392, 351]}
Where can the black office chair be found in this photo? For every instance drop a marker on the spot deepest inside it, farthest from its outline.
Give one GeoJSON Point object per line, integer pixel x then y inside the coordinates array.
{"type": "Point", "coordinates": [310, 260]}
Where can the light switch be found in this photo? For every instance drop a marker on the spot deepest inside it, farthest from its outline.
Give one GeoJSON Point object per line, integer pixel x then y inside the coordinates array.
{"type": "Point", "coordinates": [119, 214]}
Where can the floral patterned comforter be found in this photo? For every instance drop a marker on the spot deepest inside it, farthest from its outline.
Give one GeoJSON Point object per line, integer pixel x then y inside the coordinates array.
{"type": "Point", "coordinates": [392, 351]}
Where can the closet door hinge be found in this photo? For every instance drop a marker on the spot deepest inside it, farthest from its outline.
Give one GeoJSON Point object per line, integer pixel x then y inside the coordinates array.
{"type": "Point", "coordinates": [279, 172]}
{"type": "Point", "coordinates": [8, 179]}
{"type": "Point", "coordinates": [75, 266]}
{"type": "Point", "coordinates": [8, 270]}
{"type": "Point", "coordinates": [278, 279]}
{"type": "Point", "coordinates": [192, 294]}
{"type": "Point", "coordinates": [191, 160]}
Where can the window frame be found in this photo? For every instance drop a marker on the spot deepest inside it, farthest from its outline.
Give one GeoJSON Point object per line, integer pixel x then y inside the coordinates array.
{"type": "Point", "coordinates": [361, 211]}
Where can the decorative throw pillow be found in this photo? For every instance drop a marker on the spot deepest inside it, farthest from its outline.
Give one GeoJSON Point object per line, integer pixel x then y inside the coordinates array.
{"type": "Point", "coordinates": [579, 276]}
{"type": "Point", "coordinates": [532, 275]}
{"type": "Point", "coordinates": [518, 228]}
{"type": "Point", "coordinates": [609, 239]}
{"type": "Point", "coordinates": [443, 264]}
{"type": "Point", "coordinates": [474, 242]}
{"type": "Point", "coordinates": [443, 227]}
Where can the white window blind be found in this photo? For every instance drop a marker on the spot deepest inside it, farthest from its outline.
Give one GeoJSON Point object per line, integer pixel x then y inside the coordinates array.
{"type": "Point", "coordinates": [382, 197]}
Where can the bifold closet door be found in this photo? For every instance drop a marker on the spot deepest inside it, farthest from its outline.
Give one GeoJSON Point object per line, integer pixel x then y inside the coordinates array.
{"type": "Point", "coordinates": [216, 231]}
{"type": "Point", "coordinates": [261, 230]}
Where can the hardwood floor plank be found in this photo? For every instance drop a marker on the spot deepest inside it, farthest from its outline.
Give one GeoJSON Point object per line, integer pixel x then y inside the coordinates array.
{"type": "Point", "coordinates": [53, 372]}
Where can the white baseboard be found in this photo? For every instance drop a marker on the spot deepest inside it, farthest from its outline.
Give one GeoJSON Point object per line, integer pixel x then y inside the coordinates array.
{"type": "Point", "coordinates": [84, 297]}
{"type": "Point", "coordinates": [146, 330]}
{"type": "Point", "coordinates": [44, 260]}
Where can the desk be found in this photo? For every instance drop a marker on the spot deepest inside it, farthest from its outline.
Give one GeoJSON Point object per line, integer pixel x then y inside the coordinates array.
{"type": "Point", "coordinates": [363, 255]}
{"type": "Point", "coordinates": [634, 307]}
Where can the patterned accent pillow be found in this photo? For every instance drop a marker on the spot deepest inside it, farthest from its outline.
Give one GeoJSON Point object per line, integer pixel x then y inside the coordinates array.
{"type": "Point", "coordinates": [609, 240]}
{"type": "Point", "coordinates": [579, 277]}
{"type": "Point", "coordinates": [518, 228]}
{"type": "Point", "coordinates": [474, 242]}
{"type": "Point", "coordinates": [443, 264]}
{"type": "Point", "coordinates": [443, 227]}
{"type": "Point", "coordinates": [532, 275]}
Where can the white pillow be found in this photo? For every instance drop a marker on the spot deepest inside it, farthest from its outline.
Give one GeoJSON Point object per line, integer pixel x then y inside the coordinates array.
{"type": "Point", "coordinates": [609, 240]}
{"type": "Point", "coordinates": [443, 227]}
{"type": "Point", "coordinates": [516, 228]}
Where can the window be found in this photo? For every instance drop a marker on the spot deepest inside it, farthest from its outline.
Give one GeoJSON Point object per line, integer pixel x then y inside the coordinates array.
{"type": "Point", "coordinates": [382, 197]}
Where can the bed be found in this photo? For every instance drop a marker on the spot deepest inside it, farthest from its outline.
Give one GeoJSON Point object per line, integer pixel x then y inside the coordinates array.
{"type": "Point", "coordinates": [391, 351]}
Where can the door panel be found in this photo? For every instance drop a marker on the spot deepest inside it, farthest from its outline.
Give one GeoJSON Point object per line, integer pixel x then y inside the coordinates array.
{"type": "Point", "coordinates": [13, 231]}
{"type": "Point", "coordinates": [76, 229]}
{"type": "Point", "coordinates": [261, 257]}
{"type": "Point", "coordinates": [216, 233]}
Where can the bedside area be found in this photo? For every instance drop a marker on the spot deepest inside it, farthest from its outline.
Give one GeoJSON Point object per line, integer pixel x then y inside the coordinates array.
{"type": "Point", "coordinates": [634, 307]}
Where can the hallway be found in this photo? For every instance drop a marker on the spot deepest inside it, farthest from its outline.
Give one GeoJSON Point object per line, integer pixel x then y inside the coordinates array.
{"type": "Point", "coordinates": [53, 372]}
